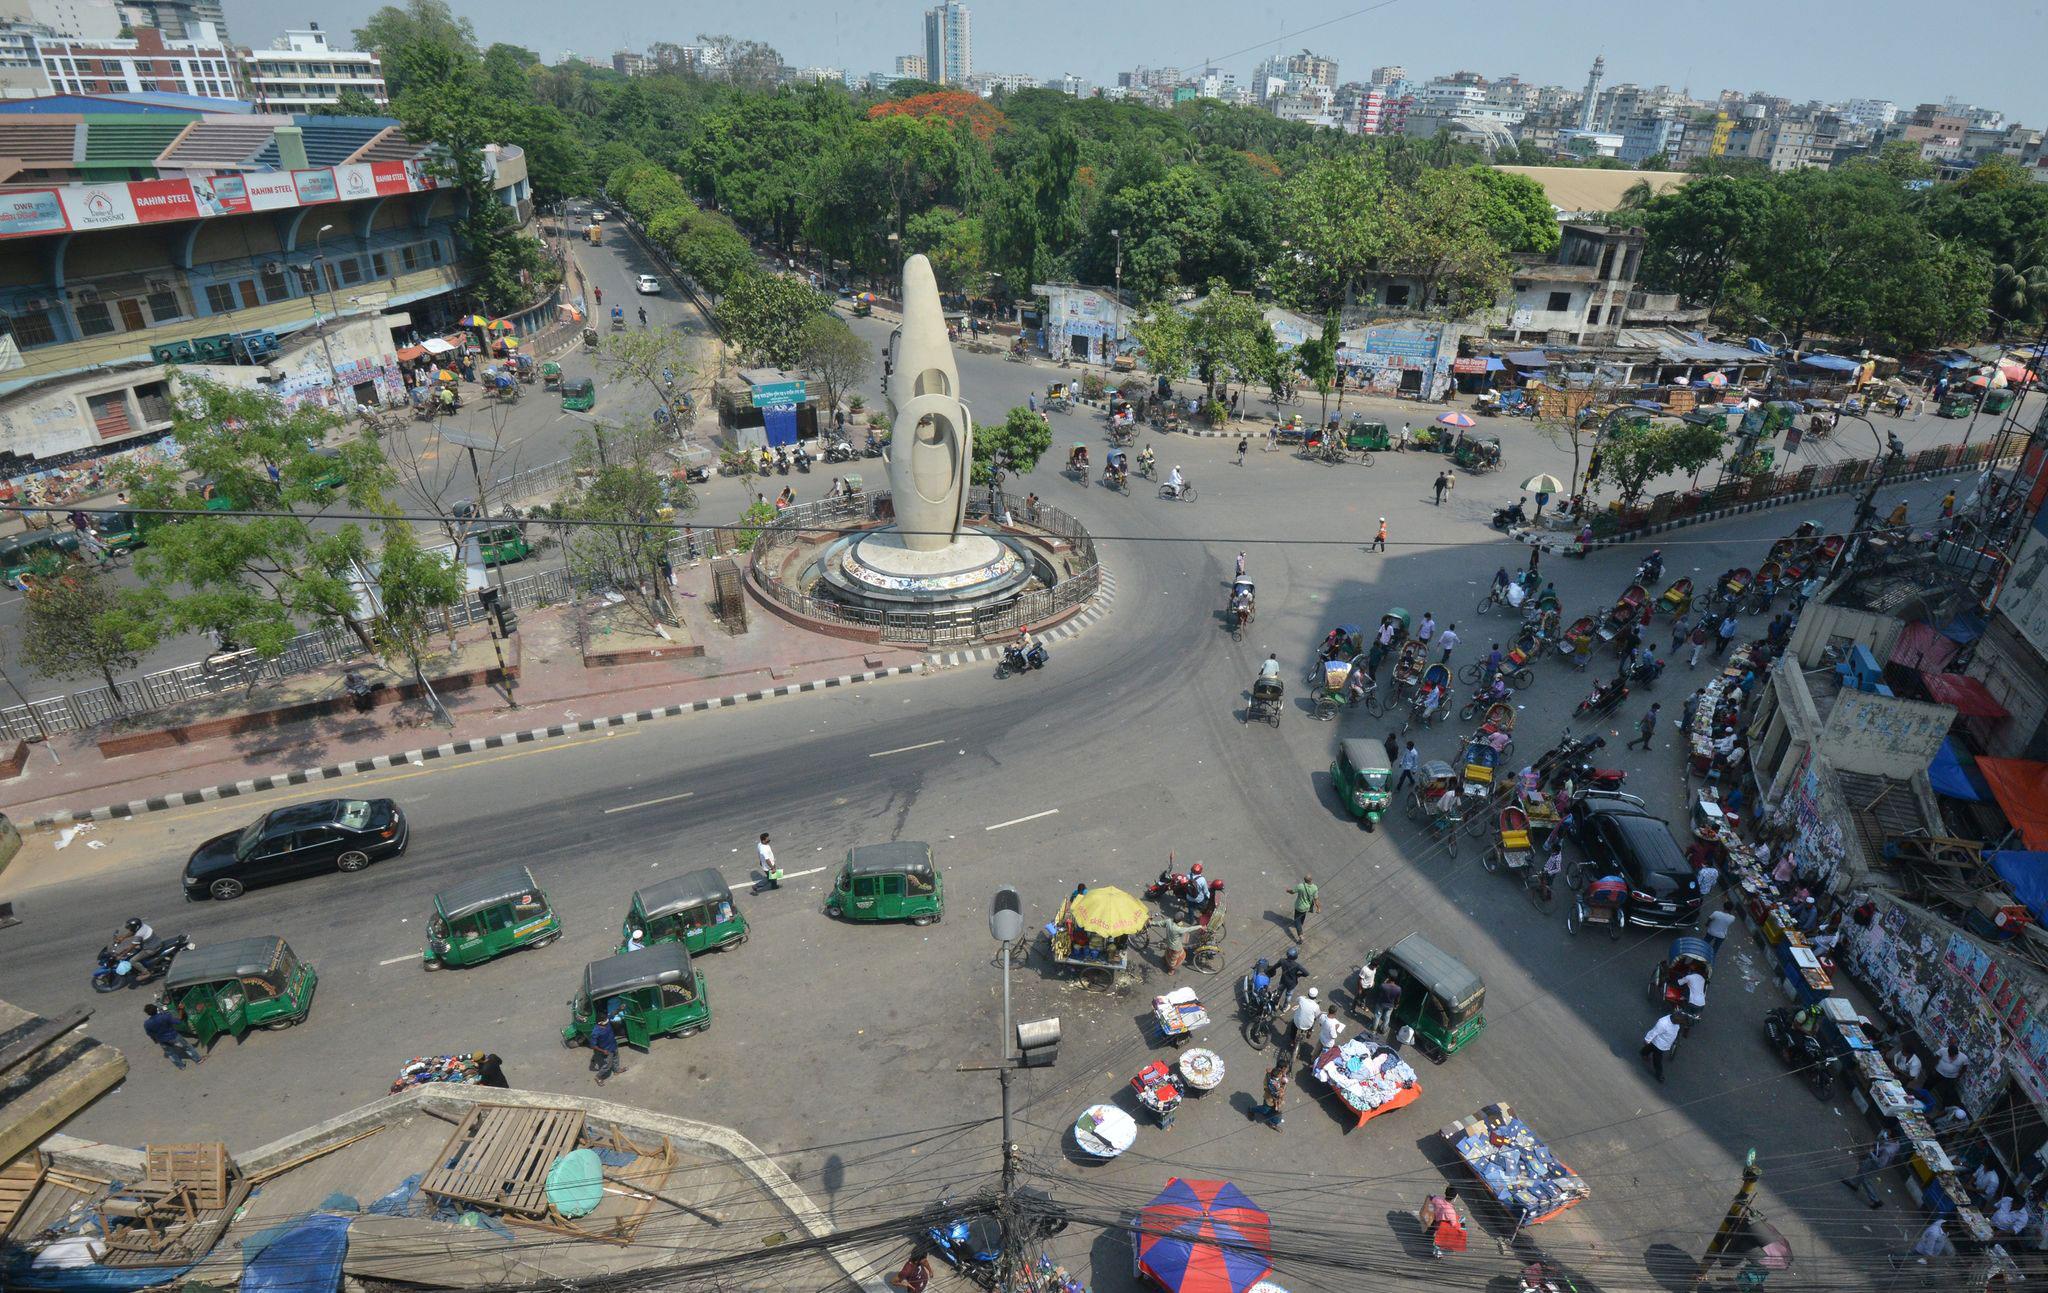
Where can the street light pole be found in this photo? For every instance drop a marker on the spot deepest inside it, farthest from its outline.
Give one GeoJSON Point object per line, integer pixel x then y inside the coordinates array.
{"type": "Point", "coordinates": [1117, 344]}
{"type": "Point", "coordinates": [497, 569]}
{"type": "Point", "coordinates": [1733, 1221]}
{"type": "Point", "coordinates": [320, 272]}
{"type": "Point", "coordinates": [1866, 507]}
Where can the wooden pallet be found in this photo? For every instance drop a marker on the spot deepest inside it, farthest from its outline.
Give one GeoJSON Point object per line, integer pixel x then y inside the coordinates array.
{"type": "Point", "coordinates": [500, 1156]}
{"type": "Point", "coordinates": [180, 1242]}
{"type": "Point", "coordinates": [203, 1168]}
{"type": "Point", "coordinates": [18, 1182]}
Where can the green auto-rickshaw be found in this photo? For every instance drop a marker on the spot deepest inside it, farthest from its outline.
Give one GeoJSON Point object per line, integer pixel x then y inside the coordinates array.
{"type": "Point", "coordinates": [889, 882]}
{"type": "Point", "coordinates": [500, 543]}
{"type": "Point", "coordinates": [579, 395]}
{"type": "Point", "coordinates": [1957, 405]}
{"type": "Point", "coordinates": [229, 988]}
{"type": "Point", "coordinates": [483, 918]}
{"type": "Point", "coordinates": [648, 993]}
{"type": "Point", "coordinates": [1362, 780]}
{"type": "Point", "coordinates": [551, 375]}
{"type": "Point", "coordinates": [1478, 453]}
{"type": "Point", "coordinates": [42, 553]}
{"type": "Point", "coordinates": [117, 531]}
{"type": "Point", "coordinates": [1443, 1001]}
{"type": "Point", "coordinates": [1997, 401]}
{"type": "Point", "coordinates": [696, 909]}
{"type": "Point", "coordinates": [1367, 437]}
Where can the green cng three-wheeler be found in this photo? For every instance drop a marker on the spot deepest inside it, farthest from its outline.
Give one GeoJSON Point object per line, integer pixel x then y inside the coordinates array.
{"type": "Point", "coordinates": [888, 882]}
{"type": "Point", "coordinates": [579, 395]}
{"type": "Point", "coordinates": [695, 909]}
{"type": "Point", "coordinates": [1362, 780]}
{"type": "Point", "coordinates": [647, 993]}
{"type": "Point", "coordinates": [487, 917]}
{"type": "Point", "coordinates": [1443, 1001]}
{"type": "Point", "coordinates": [500, 543]}
{"type": "Point", "coordinates": [229, 988]}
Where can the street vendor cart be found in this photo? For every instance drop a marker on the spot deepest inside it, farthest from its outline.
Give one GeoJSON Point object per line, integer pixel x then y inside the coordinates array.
{"type": "Point", "coordinates": [1179, 1014]}
{"type": "Point", "coordinates": [1092, 933]}
{"type": "Point", "coordinates": [1369, 1078]}
{"type": "Point", "coordinates": [1531, 1183]}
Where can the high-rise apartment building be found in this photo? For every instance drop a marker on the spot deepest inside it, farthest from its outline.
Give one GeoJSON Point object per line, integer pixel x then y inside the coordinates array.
{"type": "Point", "coordinates": [948, 43]}
{"type": "Point", "coordinates": [200, 66]}
{"type": "Point", "coordinates": [176, 19]}
{"type": "Point", "coordinates": [912, 65]}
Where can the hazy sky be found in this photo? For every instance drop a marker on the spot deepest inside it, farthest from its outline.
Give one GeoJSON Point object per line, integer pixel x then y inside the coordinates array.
{"type": "Point", "coordinates": [1822, 49]}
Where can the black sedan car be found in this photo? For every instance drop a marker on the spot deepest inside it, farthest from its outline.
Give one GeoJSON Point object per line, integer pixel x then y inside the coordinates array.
{"type": "Point", "coordinates": [1621, 837]}
{"type": "Point", "coordinates": [300, 840]}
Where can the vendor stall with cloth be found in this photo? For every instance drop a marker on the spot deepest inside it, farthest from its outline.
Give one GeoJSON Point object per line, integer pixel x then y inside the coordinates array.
{"type": "Point", "coordinates": [1369, 1078]}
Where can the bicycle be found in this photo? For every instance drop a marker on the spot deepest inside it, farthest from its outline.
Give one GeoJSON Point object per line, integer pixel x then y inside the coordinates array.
{"type": "Point", "coordinates": [1472, 673]}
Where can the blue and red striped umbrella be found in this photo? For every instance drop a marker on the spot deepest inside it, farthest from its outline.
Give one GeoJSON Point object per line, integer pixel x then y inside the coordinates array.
{"type": "Point", "coordinates": [1203, 1237]}
{"type": "Point", "coordinates": [1456, 420]}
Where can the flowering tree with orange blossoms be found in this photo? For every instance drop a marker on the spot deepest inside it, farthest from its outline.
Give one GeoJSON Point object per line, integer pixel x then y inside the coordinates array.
{"type": "Point", "coordinates": [970, 110]}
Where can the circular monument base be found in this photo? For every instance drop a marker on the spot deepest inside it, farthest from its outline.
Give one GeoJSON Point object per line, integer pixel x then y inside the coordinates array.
{"type": "Point", "coordinates": [879, 570]}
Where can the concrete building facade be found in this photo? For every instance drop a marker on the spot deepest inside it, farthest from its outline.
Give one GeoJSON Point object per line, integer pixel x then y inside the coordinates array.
{"type": "Point", "coordinates": [303, 72]}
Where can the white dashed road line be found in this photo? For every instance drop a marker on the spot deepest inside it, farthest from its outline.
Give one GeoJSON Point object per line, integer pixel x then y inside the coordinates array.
{"type": "Point", "coordinates": [648, 803]}
{"type": "Point", "coordinates": [905, 749]}
{"type": "Point", "coordinates": [1018, 821]}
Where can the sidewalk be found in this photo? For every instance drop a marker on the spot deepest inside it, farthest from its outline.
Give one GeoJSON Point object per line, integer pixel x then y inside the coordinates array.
{"type": "Point", "coordinates": [556, 694]}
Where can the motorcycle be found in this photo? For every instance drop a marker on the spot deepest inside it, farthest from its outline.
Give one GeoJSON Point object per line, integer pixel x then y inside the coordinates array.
{"type": "Point", "coordinates": [803, 462]}
{"type": "Point", "coordinates": [973, 1245]}
{"type": "Point", "coordinates": [696, 475]}
{"type": "Point", "coordinates": [839, 451]}
{"type": "Point", "coordinates": [1602, 701]}
{"type": "Point", "coordinates": [767, 464]}
{"type": "Point", "coordinates": [874, 446]}
{"type": "Point", "coordinates": [117, 971]}
{"type": "Point", "coordinates": [1802, 1050]}
{"type": "Point", "coordinates": [1646, 672]}
{"type": "Point", "coordinates": [1259, 1000]}
{"type": "Point", "coordinates": [1651, 570]}
{"type": "Point", "coordinates": [782, 462]}
{"type": "Point", "coordinates": [1019, 661]}
{"type": "Point", "coordinates": [1507, 518]}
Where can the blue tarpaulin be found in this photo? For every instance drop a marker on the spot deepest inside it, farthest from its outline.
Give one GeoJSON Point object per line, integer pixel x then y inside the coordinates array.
{"type": "Point", "coordinates": [1494, 365]}
{"type": "Point", "coordinates": [1528, 359]}
{"type": "Point", "coordinates": [1955, 361]}
{"type": "Point", "coordinates": [305, 1259]}
{"type": "Point", "coordinates": [1759, 346]}
{"type": "Point", "coordinates": [1833, 363]}
{"type": "Point", "coordinates": [2027, 875]}
{"type": "Point", "coordinates": [1951, 775]}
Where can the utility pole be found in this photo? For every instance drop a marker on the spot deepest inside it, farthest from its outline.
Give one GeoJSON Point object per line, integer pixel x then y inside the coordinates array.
{"type": "Point", "coordinates": [496, 568]}
{"type": "Point", "coordinates": [1866, 506]}
{"type": "Point", "coordinates": [1733, 1222]}
{"type": "Point", "coordinates": [1117, 345]}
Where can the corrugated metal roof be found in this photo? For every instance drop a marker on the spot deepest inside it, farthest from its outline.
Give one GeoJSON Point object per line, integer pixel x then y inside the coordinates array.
{"type": "Point", "coordinates": [130, 140]}
{"type": "Point", "coordinates": [391, 146]}
{"type": "Point", "coordinates": [229, 144]}
{"type": "Point", "coordinates": [330, 141]}
{"type": "Point", "coordinates": [40, 141]}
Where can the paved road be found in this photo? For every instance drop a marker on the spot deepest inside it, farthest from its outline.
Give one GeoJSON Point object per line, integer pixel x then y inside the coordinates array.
{"type": "Point", "coordinates": [1127, 749]}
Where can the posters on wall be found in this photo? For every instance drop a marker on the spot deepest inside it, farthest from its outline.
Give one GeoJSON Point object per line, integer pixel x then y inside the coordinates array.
{"type": "Point", "coordinates": [82, 207]}
{"type": "Point", "coordinates": [1944, 986]}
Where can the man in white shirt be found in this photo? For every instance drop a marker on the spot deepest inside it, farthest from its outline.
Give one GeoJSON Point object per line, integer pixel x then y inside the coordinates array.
{"type": "Point", "coordinates": [1931, 1243]}
{"type": "Point", "coordinates": [1657, 1043]}
{"type": "Point", "coordinates": [1306, 1011]}
{"type": "Point", "coordinates": [2010, 1215]}
{"type": "Point", "coordinates": [1427, 629]}
{"type": "Point", "coordinates": [1905, 1066]}
{"type": "Point", "coordinates": [1710, 879]}
{"type": "Point", "coordinates": [1984, 1181]}
{"type": "Point", "coordinates": [1448, 640]}
{"type": "Point", "coordinates": [1329, 1028]}
{"type": "Point", "coordinates": [1695, 985]}
{"type": "Point", "coordinates": [771, 875]}
{"type": "Point", "coordinates": [1719, 923]}
{"type": "Point", "coordinates": [1880, 1155]}
{"type": "Point", "coordinates": [1271, 668]}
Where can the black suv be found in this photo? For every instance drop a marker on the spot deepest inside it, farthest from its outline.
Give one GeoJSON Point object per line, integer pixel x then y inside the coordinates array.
{"type": "Point", "coordinates": [1621, 837]}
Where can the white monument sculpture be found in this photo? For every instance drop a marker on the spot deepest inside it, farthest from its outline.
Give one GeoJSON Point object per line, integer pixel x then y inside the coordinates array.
{"type": "Point", "coordinates": [929, 556]}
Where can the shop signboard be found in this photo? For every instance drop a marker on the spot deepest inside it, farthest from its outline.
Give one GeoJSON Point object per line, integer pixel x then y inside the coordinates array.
{"type": "Point", "coordinates": [159, 200]}
{"type": "Point", "coordinates": [37, 211]}
{"type": "Point", "coordinates": [98, 206]}
{"type": "Point", "coordinates": [771, 394]}
{"type": "Point", "coordinates": [314, 186]}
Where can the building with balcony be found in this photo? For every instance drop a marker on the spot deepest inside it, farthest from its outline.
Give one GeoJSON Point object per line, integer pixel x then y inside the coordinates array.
{"type": "Point", "coordinates": [202, 66]}
{"type": "Point", "coordinates": [304, 73]}
{"type": "Point", "coordinates": [949, 43]}
{"type": "Point", "coordinates": [291, 253]}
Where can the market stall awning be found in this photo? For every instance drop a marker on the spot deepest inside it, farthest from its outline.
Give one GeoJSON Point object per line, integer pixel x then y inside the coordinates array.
{"type": "Point", "coordinates": [1528, 359]}
{"type": "Point", "coordinates": [1832, 363]}
{"type": "Point", "coordinates": [410, 353]}
{"type": "Point", "coordinates": [1967, 694]}
{"type": "Point", "coordinates": [1921, 647]}
{"type": "Point", "coordinates": [1953, 775]}
{"type": "Point", "coordinates": [436, 346]}
{"type": "Point", "coordinates": [2021, 788]}
{"type": "Point", "coordinates": [1955, 361]}
{"type": "Point", "coordinates": [1494, 365]}
{"type": "Point", "coordinates": [2026, 874]}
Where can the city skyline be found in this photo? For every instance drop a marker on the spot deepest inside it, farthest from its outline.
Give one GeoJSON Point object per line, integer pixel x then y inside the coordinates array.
{"type": "Point", "coordinates": [1885, 54]}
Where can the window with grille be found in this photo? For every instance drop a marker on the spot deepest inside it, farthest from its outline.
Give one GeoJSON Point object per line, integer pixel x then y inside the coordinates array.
{"type": "Point", "coordinates": [351, 271]}
{"type": "Point", "coordinates": [274, 286]}
{"type": "Point", "coordinates": [164, 306]}
{"type": "Point", "coordinates": [94, 319]}
{"type": "Point", "coordinates": [28, 327]}
{"type": "Point", "coordinates": [220, 297]}
{"type": "Point", "coordinates": [409, 256]}
{"type": "Point", "coordinates": [380, 264]}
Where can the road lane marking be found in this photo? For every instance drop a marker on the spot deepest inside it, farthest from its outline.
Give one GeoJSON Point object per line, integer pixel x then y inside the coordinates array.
{"type": "Point", "coordinates": [883, 754]}
{"type": "Point", "coordinates": [349, 780]}
{"type": "Point", "coordinates": [1018, 821]}
{"type": "Point", "coordinates": [791, 875]}
{"type": "Point", "coordinates": [648, 803]}
{"type": "Point", "coordinates": [409, 956]}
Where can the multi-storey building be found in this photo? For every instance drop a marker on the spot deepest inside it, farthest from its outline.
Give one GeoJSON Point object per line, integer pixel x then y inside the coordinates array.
{"type": "Point", "coordinates": [1392, 74]}
{"type": "Point", "coordinates": [627, 63]}
{"type": "Point", "coordinates": [1650, 133]}
{"type": "Point", "coordinates": [304, 72]}
{"type": "Point", "coordinates": [1073, 85]}
{"type": "Point", "coordinates": [176, 19]}
{"type": "Point", "coordinates": [1786, 143]}
{"type": "Point", "coordinates": [912, 65]}
{"type": "Point", "coordinates": [1869, 112]}
{"type": "Point", "coordinates": [948, 43]}
{"type": "Point", "coordinates": [234, 237]}
{"type": "Point", "coordinates": [202, 66]}
{"type": "Point", "coordinates": [987, 83]}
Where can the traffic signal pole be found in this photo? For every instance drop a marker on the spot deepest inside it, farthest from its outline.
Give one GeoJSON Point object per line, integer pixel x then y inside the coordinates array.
{"type": "Point", "coordinates": [1732, 1222]}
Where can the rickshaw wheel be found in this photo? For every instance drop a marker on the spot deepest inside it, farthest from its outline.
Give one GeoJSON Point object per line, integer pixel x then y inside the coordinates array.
{"type": "Point", "coordinates": [1574, 918]}
{"type": "Point", "coordinates": [1491, 860]}
{"type": "Point", "coordinates": [1208, 958]}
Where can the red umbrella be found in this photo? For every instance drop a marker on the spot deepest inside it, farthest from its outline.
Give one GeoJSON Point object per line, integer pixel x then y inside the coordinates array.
{"type": "Point", "coordinates": [1456, 420]}
{"type": "Point", "coordinates": [1203, 1237]}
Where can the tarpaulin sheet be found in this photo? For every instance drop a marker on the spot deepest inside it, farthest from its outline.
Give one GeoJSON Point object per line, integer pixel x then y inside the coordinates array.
{"type": "Point", "coordinates": [2027, 875]}
{"type": "Point", "coordinates": [1832, 363]}
{"type": "Point", "coordinates": [2021, 788]}
{"type": "Point", "coordinates": [305, 1259]}
{"type": "Point", "coordinates": [1965, 693]}
{"type": "Point", "coordinates": [1528, 359]}
{"type": "Point", "coordinates": [1920, 647]}
{"type": "Point", "coordinates": [1950, 774]}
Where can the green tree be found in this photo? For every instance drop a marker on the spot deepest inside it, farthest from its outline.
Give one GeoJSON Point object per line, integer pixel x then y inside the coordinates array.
{"type": "Point", "coordinates": [1333, 218]}
{"type": "Point", "coordinates": [764, 316]}
{"type": "Point", "coordinates": [1438, 239]}
{"type": "Point", "coordinates": [1317, 357]}
{"type": "Point", "coordinates": [1690, 446]}
{"type": "Point", "coordinates": [956, 245]}
{"type": "Point", "coordinates": [1632, 453]}
{"type": "Point", "coordinates": [835, 356]}
{"type": "Point", "coordinates": [401, 33]}
{"type": "Point", "coordinates": [624, 488]}
{"type": "Point", "coordinates": [1167, 338]}
{"type": "Point", "coordinates": [1226, 335]}
{"type": "Point", "coordinates": [2019, 290]}
{"type": "Point", "coordinates": [79, 626]}
{"type": "Point", "coordinates": [1515, 210]}
{"type": "Point", "coordinates": [411, 592]}
{"type": "Point", "coordinates": [255, 580]}
{"type": "Point", "coordinates": [1694, 234]}
{"type": "Point", "coordinates": [1830, 249]}
{"type": "Point", "coordinates": [715, 256]}
{"type": "Point", "coordinates": [1023, 437]}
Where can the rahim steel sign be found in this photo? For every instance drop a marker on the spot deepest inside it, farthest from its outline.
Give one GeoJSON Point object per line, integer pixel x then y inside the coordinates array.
{"type": "Point", "coordinates": [80, 208]}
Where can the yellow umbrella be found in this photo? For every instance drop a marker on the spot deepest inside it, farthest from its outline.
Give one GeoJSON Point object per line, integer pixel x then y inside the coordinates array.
{"type": "Point", "coordinates": [1109, 911]}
